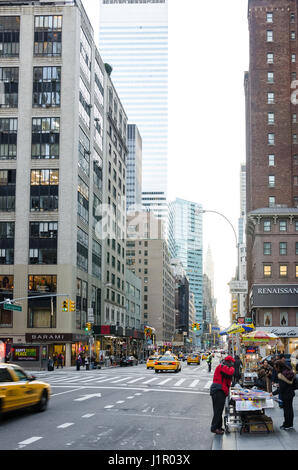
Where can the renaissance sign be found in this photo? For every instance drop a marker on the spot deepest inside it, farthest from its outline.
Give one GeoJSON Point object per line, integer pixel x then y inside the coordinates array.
{"type": "Point", "coordinates": [278, 295]}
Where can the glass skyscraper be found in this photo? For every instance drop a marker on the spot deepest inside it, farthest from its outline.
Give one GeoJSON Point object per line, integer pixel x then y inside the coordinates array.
{"type": "Point", "coordinates": [133, 39]}
{"type": "Point", "coordinates": [185, 239]}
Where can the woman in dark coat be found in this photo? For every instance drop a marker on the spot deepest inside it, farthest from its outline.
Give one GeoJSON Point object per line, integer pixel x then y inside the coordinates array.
{"type": "Point", "coordinates": [238, 367]}
{"type": "Point", "coordinates": [286, 390]}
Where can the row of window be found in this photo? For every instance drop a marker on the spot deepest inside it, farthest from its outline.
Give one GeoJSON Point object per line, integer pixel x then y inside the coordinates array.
{"type": "Point", "coordinates": [283, 270]}
{"type": "Point", "coordinates": [282, 224]}
{"type": "Point", "coordinates": [283, 248]}
{"type": "Point", "coordinates": [270, 17]}
{"type": "Point", "coordinates": [270, 38]}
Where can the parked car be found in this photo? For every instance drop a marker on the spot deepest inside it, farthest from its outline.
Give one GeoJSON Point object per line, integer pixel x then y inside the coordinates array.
{"type": "Point", "coordinates": [128, 361]}
{"type": "Point", "coordinates": [21, 390]}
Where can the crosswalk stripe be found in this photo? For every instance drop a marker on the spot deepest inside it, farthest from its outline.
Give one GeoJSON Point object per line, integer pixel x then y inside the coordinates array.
{"type": "Point", "coordinates": [105, 380]}
{"type": "Point", "coordinates": [207, 385]}
{"type": "Point", "coordinates": [194, 383]}
{"type": "Point", "coordinates": [179, 382]}
{"type": "Point", "coordinates": [120, 380]}
{"type": "Point", "coordinates": [151, 380]}
{"type": "Point", "coordinates": [165, 381]}
{"type": "Point", "coordinates": [135, 380]}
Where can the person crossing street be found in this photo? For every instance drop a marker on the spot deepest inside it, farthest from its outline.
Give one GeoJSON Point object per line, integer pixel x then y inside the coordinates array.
{"type": "Point", "coordinates": [209, 361]}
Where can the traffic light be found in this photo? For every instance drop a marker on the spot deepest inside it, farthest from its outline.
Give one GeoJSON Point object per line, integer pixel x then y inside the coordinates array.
{"type": "Point", "coordinates": [65, 306]}
{"type": "Point", "coordinates": [198, 326]}
{"type": "Point", "coordinates": [88, 326]}
{"type": "Point", "coordinates": [235, 305]}
{"type": "Point", "coordinates": [194, 327]}
{"type": "Point", "coordinates": [72, 306]}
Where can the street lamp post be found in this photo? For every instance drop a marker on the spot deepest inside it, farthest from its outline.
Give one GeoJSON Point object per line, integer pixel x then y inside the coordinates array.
{"type": "Point", "coordinates": [202, 211]}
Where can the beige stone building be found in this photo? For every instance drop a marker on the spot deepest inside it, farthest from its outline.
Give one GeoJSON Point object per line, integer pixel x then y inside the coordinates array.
{"type": "Point", "coordinates": [148, 257]}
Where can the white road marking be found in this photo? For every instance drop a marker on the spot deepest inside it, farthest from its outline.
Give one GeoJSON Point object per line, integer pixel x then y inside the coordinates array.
{"type": "Point", "coordinates": [164, 381]}
{"type": "Point", "coordinates": [105, 380]}
{"type": "Point", "coordinates": [67, 391]}
{"type": "Point", "coordinates": [120, 401]}
{"type": "Point", "coordinates": [120, 380]}
{"type": "Point", "coordinates": [151, 380]}
{"type": "Point", "coordinates": [194, 383]}
{"type": "Point", "coordinates": [88, 415]}
{"type": "Point", "coordinates": [135, 380]}
{"type": "Point", "coordinates": [179, 382]}
{"type": "Point", "coordinates": [30, 441]}
{"type": "Point", "coordinates": [129, 398]}
{"type": "Point", "coordinates": [138, 394]}
{"type": "Point", "coordinates": [109, 406]}
{"type": "Point", "coordinates": [207, 385]}
{"type": "Point", "coordinates": [65, 425]}
{"type": "Point", "coordinates": [86, 397]}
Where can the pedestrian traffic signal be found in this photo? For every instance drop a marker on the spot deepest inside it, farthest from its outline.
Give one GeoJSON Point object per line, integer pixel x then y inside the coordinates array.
{"type": "Point", "coordinates": [88, 326]}
{"type": "Point", "coordinates": [65, 306]}
{"type": "Point", "coordinates": [72, 306]}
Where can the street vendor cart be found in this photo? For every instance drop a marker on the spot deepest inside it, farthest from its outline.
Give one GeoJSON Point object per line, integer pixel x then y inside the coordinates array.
{"type": "Point", "coordinates": [245, 411]}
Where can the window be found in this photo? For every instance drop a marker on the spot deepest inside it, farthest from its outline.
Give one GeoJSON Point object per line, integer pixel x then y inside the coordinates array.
{"type": "Point", "coordinates": [270, 98]}
{"type": "Point", "coordinates": [283, 270]}
{"type": "Point", "coordinates": [271, 181]}
{"type": "Point", "coordinates": [294, 118]}
{"type": "Point", "coordinates": [269, 17]}
{"type": "Point", "coordinates": [295, 159]}
{"type": "Point", "coordinates": [46, 86]}
{"type": "Point", "coordinates": [96, 259]}
{"type": "Point", "coordinates": [43, 242]}
{"type": "Point", "coordinates": [296, 271]}
{"type": "Point", "coordinates": [283, 248]}
{"type": "Point", "coordinates": [271, 160]}
{"type": "Point", "coordinates": [293, 35]}
{"type": "Point", "coordinates": [84, 152]}
{"type": "Point", "coordinates": [8, 189]}
{"type": "Point", "coordinates": [9, 36]}
{"type": "Point", "coordinates": [267, 248]}
{"type": "Point", "coordinates": [82, 250]}
{"type": "Point", "coordinates": [295, 180]}
{"type": "Point", "coordinates": [8, 138]}
{"type": "Point", "coordinates": [45, 138]}
{"type": "Point", "coordinates": [47, 35]}
{"type": "Point", "coordinates": [9, 86]}
{"type": "Point", "coordinates": [293, 58]}
{"type": "Point", "coordinates": [83, 200]}
{"type": "Point", "coordinates": [284, 319]}
{"type": "Point", "coordinates": [269, 36]}
{"type": "Point", "coordinates": [267, 319]}
{"type": "Point", "coordinates": [85, 103]}
{"type": "Point", "coordinates": [292, 17]}
{"type": "Point", "coordinates": [294, 139]}
{"type": "Point", "coordinates": [270, 77]}
{"type": "Point", "coordinates": [44, 190]}
{"type": "Point", "coordinates": [270, 118]}
{"type": "Point", "coordinates": [282, 225]}
{"type": "Point", "coordinates": [267, 270]}
{"type": "Point", "coordinates": [271, 201]}
{"type": "Point", "coordinates": [296, 248]}
{"type": "Point", "coordinates": [271, 139]}
{"type": "Point", "coordinates": [270, 58]}
{"type": "Point", "coordinates": [85, 55]}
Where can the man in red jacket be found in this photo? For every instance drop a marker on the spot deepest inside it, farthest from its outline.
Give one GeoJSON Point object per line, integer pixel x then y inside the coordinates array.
{"type": "Point", "coordinates": [219, 390]}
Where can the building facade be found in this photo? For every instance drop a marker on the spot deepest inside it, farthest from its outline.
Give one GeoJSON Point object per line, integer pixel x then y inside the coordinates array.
{"type": "Point", "coordinates": [134, 168]}
{"type": "Point", "coordinates": [136, 33]}
{"type": "Point", "coordinates": [272, 167]}
{"type": "Point", "coordinates": [148, 257]}
{"type": "Point", "coordinates": [185, 239]}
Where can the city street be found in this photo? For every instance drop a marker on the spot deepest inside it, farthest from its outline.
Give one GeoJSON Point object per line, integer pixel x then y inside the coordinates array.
{"type": "Point", "coordinates": [128, 408]}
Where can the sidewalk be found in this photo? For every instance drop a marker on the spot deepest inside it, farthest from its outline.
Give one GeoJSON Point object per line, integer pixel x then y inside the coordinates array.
{"type": "Point", "coordinates": [277, 440]}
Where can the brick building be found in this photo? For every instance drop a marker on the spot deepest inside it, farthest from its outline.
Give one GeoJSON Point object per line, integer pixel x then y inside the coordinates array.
{"type": "Point", "coordinates": [272, 168]}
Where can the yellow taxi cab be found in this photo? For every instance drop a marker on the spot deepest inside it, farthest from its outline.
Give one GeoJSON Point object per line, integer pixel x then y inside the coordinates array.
{"type": "Point", "coordinates": [194, 359]}
{"type": "Point", "coordinates": [204, 356]}
{"type": "Point", "coordinates": [150, 362]}
{"type": "Point", "coordinates": [167, 362]}
{"type": "Point", "coordinates": [21, 390]}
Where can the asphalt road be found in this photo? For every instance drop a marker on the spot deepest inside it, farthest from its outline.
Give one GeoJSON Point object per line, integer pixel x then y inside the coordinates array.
{"type": "Point", "coordinates": [127, 408]}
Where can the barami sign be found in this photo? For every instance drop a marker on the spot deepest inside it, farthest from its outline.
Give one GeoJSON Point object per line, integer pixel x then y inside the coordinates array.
{"type": "Point", "coordinates": [277, 295]}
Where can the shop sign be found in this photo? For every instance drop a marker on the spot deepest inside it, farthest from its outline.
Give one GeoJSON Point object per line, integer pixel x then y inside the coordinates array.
{"type": "Point", "coordinates": [238, 287]}
{"type": "Point", "coordinates": [277, 295]}
{"type": "Point", "coordinates": [282, 331]}
{"type": "Point", "coordinates": [48, 337]}
{"type": "Point", "coordinates": [25, 353]}
{"type": "Point", "coordinates": [105, 329]}
{"type": "Point", "coordinates": [241, 320]}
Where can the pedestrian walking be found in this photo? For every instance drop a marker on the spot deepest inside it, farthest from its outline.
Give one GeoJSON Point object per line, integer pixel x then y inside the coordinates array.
{"type": "Point", "coordinates": [111, 359]}
{"type": "Point", "coordinates": [238, 369]}
{"type": "Point", "coordinates": [287, 392]}
{"type": "Point", "coordinates": [55, 359]}
{"type": "Point", "coordinates": [219, 391]}
{"type": "Point", "coordinates": [50, 364]}
{"type": "Point", "coordinates": [78, 362]}
{"type": "Point", "coordinates": [209, 361]}
{"type": "Point", "coordinates": [60, 360]}
{"type": "Point", "coordinates": [267, 374]}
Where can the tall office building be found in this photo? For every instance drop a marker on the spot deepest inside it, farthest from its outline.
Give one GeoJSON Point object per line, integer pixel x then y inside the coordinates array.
{"type": "Point", "coordinates": [185, 240]}
{"type": "Point", "coordinates": [272, 167]}
{"type": "Point", "coordinates": [134, 168]}
{"type": "Point", "coordinates": [133, 39]}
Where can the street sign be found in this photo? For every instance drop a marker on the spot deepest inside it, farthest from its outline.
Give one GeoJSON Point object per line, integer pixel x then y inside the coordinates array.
{"type": "Point", "coordinates": [12, 307]}
{"type": "Point", "coordinates": [238, 287]}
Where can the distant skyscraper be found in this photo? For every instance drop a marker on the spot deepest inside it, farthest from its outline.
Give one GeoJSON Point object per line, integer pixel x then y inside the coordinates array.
{"type": "Point", "coordinates": [133, 167]}
{"type": "Point", "coordinates": [185, 239]}
{"type": "Point", "coordinates": [209, 269]}
{"type": "Point", "coordinates": [133, 39]}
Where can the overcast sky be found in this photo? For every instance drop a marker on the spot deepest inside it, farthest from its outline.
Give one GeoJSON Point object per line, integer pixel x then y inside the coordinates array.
{"type": "Point", "coordinates": [208, 54]}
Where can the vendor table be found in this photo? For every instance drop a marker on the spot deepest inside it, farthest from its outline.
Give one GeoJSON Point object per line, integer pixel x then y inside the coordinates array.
{"type": "Point", "coordinates": [245, 410]}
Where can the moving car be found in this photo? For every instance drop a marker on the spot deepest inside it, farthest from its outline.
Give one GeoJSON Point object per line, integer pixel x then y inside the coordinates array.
{"type": "Point", "coordinates": [150, 361]}
{"type": "Point", "coordinates": [167, 363]}
{"type": "Point", "coordinates": [204, 356]}
{"type": "Point", "coordinates": [21, 390]}
{"type": "Point", "coordinates": [128, 361]}
{"type": "Point", "coordinates": [194, 359]}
